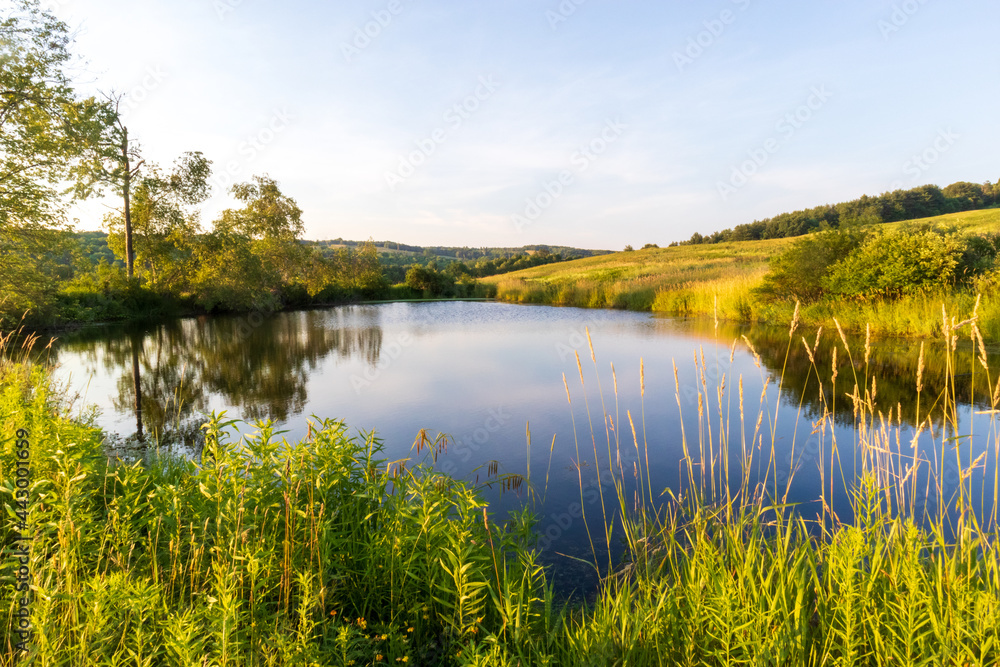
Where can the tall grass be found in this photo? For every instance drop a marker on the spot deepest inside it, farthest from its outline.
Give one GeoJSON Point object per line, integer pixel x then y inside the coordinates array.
{"type": "Point", "coordinates": [728, 571]}
{"type": "Point", "coordinates": [266, 552]}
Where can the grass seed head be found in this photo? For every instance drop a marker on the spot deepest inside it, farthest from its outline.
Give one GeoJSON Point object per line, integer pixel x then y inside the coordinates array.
{"type": "Point", "coordinates": [809, 351]}
{"type": "Point", "coordinates": [868, 343]}
{"type": "Point", "coordinates": [978, 337]}
{"type": "Point", "coordinates": [642, 378]}
{"type": "Point", "coordinates": [843, 338]}
{"type": "Point", "coordinates": [920, 370]}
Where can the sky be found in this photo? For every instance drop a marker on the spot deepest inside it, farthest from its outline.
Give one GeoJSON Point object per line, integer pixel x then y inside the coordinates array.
{"type": "Point", "coordinates": [585, 123]}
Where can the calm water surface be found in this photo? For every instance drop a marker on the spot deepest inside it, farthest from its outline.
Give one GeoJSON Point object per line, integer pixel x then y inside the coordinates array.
{"type": "Point", "coordinates": [486, 373]}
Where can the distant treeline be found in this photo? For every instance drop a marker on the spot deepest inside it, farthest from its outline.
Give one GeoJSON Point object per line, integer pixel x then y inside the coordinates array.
{"type": "Point", "coordinates": [467, 253]}
{"type": "Point", "coordinates": [457, 263]}
{"type": "Point", "coordinates": [922, 202]}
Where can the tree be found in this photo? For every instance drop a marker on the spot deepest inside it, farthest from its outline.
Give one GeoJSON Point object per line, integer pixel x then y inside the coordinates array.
{"type": "Point", "coordinates": [965, 196]}
{"type": "Point", "coordinates": [359, 270]}
{"type": "Point", "coordinates": [254, 252]}
{"type": "Point", "coordinates": [427, 279]}
{"type": "Point", "coordinates": [44, 129]}
{"type": "Point", "coordinates": [114, 161]}
{"type": "Point", "coordinates": [162, 226]}
{"type": "Point", "coordinates": [267, 214]}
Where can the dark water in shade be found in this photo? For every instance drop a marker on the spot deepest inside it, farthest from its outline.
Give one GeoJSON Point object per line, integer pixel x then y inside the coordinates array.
{"type": "Point", "coordinates": [483, 372]}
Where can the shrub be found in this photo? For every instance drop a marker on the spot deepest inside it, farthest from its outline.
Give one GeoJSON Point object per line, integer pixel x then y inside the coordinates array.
{"type": "Point", "coordinates": [890, 264]}
{"type": "Point", "coordinates": [800, 271]}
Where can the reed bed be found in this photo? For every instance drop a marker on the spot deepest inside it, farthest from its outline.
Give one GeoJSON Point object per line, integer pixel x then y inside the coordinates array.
{"type": "Point", "coordinates": [265, 552]}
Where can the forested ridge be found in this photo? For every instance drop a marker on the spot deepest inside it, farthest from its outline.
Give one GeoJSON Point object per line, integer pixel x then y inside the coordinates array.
{"type": "Point", "coordinates": [925, 201]}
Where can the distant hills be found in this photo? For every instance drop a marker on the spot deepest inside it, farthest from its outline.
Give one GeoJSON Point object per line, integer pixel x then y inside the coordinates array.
{"type": "Point", "coordinates": [394, 256]}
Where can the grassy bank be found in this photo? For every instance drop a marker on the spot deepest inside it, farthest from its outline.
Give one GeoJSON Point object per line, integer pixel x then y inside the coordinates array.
{"type": "Point", "coordinates": [320, 552]}
{"type": "Point", "coordinates": [720, 279]}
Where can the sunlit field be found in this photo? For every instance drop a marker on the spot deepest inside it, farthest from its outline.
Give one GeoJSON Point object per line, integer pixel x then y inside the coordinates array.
{"type": "Point", "coordinates": [719, 279]}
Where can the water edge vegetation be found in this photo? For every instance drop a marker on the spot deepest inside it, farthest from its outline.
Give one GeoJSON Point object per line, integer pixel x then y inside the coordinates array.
{"type": "Point", "coordinates": [318, 552]}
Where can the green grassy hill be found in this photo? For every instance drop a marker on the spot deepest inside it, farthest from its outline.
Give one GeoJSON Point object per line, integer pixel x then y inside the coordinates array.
{"type": "Point", "coordinates": [719, 278]}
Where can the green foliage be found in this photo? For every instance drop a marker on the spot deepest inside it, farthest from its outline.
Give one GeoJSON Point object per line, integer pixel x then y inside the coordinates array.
{"type": "Point", "coordinates": [253, 259]}
{"type": "Point", "coordinates": [43, 126]}
{"type": "Point", "coordinates": [43, 133]}
{"type": "Point", "coordinates": [230, 276]}
{"type": "Point", "coordinates": [428, 280]}
{"type": "Point", "coordinates": [358, 271]}
{"type": "Point", "coordinates": [890, 264]}
{"type": "Point", "coordinates": [730, 281]}
{"type": "Point", "coordinates": [801, 272]}
{"type": "Point", "coordinates": [267, 213]}
{"type": "Point", "coordinates": [862, 264]}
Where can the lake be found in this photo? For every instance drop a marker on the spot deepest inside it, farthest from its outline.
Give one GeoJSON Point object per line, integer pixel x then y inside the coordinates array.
{"type": "Point", "coordinates": [486, 374]}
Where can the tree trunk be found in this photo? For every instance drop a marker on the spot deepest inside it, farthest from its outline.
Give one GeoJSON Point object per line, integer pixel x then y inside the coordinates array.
{"type": "Point", "coordinates": [126, 193]}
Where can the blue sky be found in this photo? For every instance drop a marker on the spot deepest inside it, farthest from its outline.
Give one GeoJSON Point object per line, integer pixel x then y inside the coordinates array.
{"type": "Point", "coordinates": [576, 122]}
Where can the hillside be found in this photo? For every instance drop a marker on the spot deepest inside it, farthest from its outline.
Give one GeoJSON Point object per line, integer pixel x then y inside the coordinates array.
{"type": "Point", "coordinates": [708, 278]}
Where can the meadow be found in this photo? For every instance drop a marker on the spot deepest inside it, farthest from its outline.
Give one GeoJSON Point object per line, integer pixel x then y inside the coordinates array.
{"type": "Point", "coordinates": [721, 279]}
{"type": "Point", "coordinates": [320, 552]}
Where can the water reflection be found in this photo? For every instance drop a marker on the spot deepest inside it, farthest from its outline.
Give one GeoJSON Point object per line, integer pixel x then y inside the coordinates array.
{"type": "Point", "coordinates": [893, 362]}
{"type": "Point", "coordinates": [170, 375]}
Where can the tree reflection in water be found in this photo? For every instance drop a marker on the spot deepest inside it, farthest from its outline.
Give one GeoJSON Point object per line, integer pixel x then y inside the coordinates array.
{"type": "Point", "coordinates": [170, 372]}
{"type": "Point", "coordinates": [893, 362]}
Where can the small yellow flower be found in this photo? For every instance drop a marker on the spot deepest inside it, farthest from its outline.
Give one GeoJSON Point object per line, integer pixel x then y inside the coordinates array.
{"type": "Point", "coordinates": [362, 623]}
{"type": "Point", "coordinates": [378, 656]}
{"type": "Point", "coordinates": [409, 629]}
